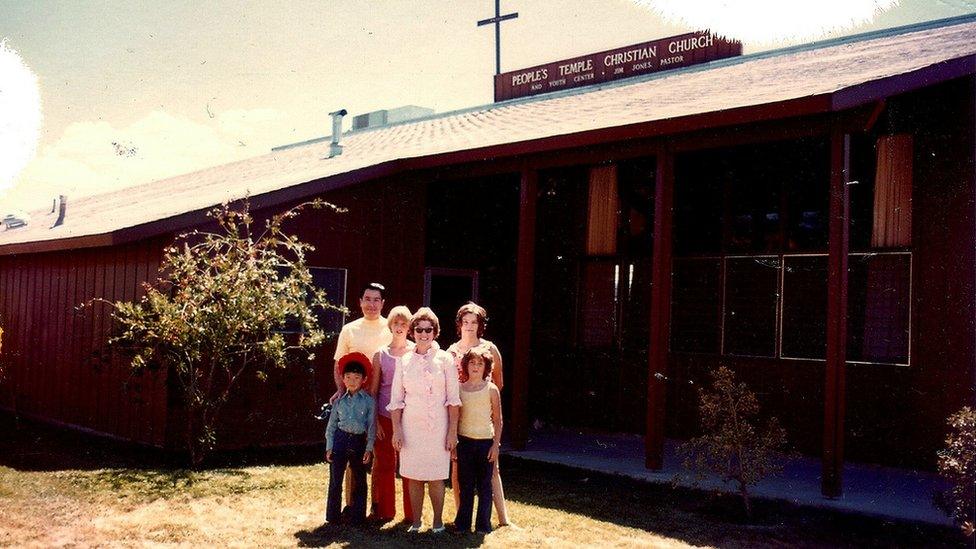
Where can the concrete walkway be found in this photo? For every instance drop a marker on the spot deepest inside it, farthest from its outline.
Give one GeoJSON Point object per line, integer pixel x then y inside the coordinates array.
{"type": "Point", "coordinates": [868, 489]}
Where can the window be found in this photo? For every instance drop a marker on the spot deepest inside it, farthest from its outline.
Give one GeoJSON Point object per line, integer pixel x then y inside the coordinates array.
{"type": "Point", "coordinates": [698, 204]}
{"type": "Point", "coordinates": [696, 305]}
{"type": "Point", "coordinates": [600, 281]}
{"type": "Point", "coordinates": [754, 210]}
{"type": "Point", "coordinates": [333, 282]}
{"type": "Point", "coordinates": [878, 308]}
{"type": "Point", "coordinates": [751, 295]}
{"type": "Point", "coordinates": [749, 275]}
{"type": "Point", "coordinates": [614, 275]}
{"type": "Point", "coordinates": [804, 307]}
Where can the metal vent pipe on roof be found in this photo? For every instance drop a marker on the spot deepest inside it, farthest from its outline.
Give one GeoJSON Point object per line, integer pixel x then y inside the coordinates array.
{"type": "Point", "coordinates": [335, 149]}
{"type": "Point", "coordinates": [62, 209]}
{"type": "Point", "coordinates": [12, 221]}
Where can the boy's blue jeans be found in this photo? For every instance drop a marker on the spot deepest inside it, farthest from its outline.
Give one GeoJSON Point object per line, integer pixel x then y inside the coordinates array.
{"type": "Point", "coordinates": [474, 475]}
{"type": "Point", "coordinates": [347, 449]}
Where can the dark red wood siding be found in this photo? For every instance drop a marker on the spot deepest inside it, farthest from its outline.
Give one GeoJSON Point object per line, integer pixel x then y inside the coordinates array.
{"type": "Point", "coordinates": [56, 363]}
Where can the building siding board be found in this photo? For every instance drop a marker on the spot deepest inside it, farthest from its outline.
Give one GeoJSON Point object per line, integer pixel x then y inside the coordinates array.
{"type": "Point", "coordinates": [9, 336]}
{"type": "Point", "coordinates": [121, 413]}
{"type": "Point", "coordinates": [157, 379]}
{"type": "Point", "coordinates": [77, 281]}
{"type": "Point", "coordinates": [56, 375]}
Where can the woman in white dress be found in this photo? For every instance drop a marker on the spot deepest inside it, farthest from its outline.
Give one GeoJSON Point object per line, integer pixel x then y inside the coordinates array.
{"type": "Point", "coordinates": [424, 408]}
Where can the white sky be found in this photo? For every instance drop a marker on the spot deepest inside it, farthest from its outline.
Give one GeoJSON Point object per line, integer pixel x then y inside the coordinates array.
{"type": "Point", "coordinates": [184, 85]}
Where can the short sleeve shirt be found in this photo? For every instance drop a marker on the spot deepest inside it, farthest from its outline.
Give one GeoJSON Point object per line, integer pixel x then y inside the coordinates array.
{"type": "Point", "coordinates": [363, 336]}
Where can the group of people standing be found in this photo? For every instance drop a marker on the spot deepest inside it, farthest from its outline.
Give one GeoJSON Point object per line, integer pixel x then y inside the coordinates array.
{"type": "Point", "coordinates": [436, 413]}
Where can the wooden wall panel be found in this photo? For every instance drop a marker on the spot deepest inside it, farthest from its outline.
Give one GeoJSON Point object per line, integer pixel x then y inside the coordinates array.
{"type": "Point", "coordinates": [32, 338]}
{"type": "Point", "coordinates": [78, 344]}
{"type": "Point", "coordinates": [114, 291]}
{"type": "Point", "coordinates": [57, 365]}
{"type": "Point", "coordinates": [6, 317]}
{"type": "Point", "coordinates": [21, 331]}
{"type": "Point", "coordinates": [75, 277]}
{"type": "Point", "coordinates": [86, 371]}
{"type": "Point", "coordinates": [58, 315]}
{"type": "Point", "coordinates": [157, 399]}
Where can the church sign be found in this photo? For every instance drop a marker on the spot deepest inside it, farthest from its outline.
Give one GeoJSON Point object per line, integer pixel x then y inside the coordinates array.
{"type": "Point", "coordinates": [657, 55]}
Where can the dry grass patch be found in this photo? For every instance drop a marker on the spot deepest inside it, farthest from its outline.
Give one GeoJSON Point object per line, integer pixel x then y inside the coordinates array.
{"type": "Point", "coordinates": [105, 497]}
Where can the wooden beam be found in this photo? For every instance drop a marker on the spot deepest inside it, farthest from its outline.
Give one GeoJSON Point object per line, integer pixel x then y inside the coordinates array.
{"type": "Point", "coordinates": [524, 290]}
{"type": "Point", "coordinates": [660, 313]}
{"type": "Point", "coordinates": [835, 372]}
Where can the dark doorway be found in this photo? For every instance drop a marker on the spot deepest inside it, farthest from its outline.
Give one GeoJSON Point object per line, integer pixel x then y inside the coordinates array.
{"type": "Point", "coordinates": [446, 289]}
{"type": "Point", "coordinates": [591, 308]}
{"type": "Point", "coordinates": [472, 233]}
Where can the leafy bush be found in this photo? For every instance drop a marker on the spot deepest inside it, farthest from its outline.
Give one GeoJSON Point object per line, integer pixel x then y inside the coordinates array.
{"type": "Point", "coordinates": [957, 463]}
{"type": "Point", "coordinates": [217, 310]}
{"type": "Point", "coordinates": [731, 446]}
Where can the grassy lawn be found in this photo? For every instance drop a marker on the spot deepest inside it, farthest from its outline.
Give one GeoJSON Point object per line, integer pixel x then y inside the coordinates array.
{"type": "Point", "coordinates": [60, 489]}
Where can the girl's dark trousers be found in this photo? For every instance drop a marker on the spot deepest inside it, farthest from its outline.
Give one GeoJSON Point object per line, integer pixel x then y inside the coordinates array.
{"type": "Point", "coordinates": [474, 476]}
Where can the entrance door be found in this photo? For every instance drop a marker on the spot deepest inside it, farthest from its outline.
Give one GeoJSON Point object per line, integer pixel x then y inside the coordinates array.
{"type": "Point", "coordinates": [592, 287]}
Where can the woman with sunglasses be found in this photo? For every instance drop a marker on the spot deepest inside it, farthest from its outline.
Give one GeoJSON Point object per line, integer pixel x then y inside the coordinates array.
{"type": "Point", "coordinates": [424, 405]}
{"type": "Point", "coordinates": [471, 321]}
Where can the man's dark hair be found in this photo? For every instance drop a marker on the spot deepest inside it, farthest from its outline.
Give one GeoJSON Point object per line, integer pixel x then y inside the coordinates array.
{"type": "Point", "coordinates": [374, 286]}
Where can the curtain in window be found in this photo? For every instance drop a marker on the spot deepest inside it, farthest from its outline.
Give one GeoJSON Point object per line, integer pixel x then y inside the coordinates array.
{"type": "Point", "coordinates": [601, 227]}
{"type": "Point", "coordinates": [893, 192]}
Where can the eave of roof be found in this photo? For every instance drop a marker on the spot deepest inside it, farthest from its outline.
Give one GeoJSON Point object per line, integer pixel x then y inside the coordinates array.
{"type": "Point", "coordinates": [509, 128]}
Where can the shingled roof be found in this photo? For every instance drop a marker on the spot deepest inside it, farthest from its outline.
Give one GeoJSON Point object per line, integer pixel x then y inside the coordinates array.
{"type": "Point", "coordinates": [828, 76]}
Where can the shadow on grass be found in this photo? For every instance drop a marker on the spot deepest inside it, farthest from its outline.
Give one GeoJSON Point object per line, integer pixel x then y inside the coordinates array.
{"type": "Point", "coordinates": [32, 446]}
{"type": "Point", "coordinates": [372, 535]}
{"type": "Point", "coordinates": [703, 518]}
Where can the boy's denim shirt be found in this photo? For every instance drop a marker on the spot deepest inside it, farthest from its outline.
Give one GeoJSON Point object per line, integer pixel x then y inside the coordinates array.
{"type": "Point", "coordinates": [353, 413]}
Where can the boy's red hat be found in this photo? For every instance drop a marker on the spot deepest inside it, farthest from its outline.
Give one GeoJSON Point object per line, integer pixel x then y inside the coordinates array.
{"type": "Point", "coordinates": [356, 357]}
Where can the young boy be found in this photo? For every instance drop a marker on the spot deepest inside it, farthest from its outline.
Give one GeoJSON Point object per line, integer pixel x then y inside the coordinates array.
{"type": "Point", "coordinates": [349, 439]}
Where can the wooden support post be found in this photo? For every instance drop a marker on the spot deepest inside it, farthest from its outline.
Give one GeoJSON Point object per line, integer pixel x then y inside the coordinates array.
{"type": "Point", "coordinates": [524, 289]}
{"type": "Point", "coordinates": [835, 377]}
{"type": "Point", "coordinates": [660, 313]}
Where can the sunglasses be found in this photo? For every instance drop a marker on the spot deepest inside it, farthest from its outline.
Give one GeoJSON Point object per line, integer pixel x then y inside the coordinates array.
{"type": "Point", "coordinates": [420, 330]}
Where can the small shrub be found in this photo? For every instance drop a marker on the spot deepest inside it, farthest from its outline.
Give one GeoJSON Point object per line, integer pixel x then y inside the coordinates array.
{"type": "Point", "coordinates": [731, 446]}
{"type": "Point", "coordinates": [957, 463]}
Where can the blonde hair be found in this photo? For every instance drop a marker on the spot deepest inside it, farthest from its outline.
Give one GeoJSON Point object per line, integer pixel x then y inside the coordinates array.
{"type": "Point", "coordinates": [400, 312]}
{"type": "Point", "coordinates": [424, 313]}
